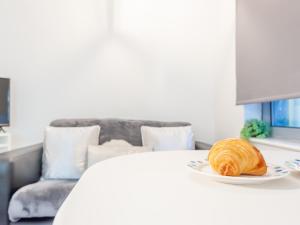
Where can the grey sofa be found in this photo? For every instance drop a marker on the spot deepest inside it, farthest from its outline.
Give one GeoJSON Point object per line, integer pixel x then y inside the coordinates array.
{"type": "Point", "coordinates": [22, 167]}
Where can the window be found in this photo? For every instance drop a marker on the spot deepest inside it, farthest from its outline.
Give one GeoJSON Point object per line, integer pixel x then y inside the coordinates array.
{"type": "Point", "coordinates": [285, 113]}
{"type": "Point", "coordinates": [282, 115]}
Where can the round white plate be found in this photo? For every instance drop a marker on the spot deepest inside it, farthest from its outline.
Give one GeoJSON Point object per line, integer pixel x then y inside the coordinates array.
{"type": "Point", "coordinates": [293, 164]}
{"type": "Point", "coordinates": [274, 172]}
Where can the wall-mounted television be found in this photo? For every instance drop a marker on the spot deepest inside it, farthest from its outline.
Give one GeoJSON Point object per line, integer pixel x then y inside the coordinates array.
{"type": "Point", "coordinates": [4, 101]}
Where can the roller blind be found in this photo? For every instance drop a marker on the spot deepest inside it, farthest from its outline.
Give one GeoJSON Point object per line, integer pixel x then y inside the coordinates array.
{"type": "Point", "coordinates": [268, 50]}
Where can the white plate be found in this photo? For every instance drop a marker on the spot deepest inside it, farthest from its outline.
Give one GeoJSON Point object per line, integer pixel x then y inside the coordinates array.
{"type": "Point", "coordinates": [274, 172]}
{"type": "Point", "coordinates": [293, 164]}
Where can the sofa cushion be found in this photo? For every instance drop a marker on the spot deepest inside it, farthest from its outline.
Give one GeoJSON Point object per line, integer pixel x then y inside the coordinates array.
{"type": "Point", "coordinates": [41, 199]}
{"type": "Point", "coordinates": [128, 130]}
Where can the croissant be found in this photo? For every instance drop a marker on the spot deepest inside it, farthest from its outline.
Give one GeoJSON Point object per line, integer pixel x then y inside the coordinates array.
{"type": "Point", "coordinates": [234, 157]}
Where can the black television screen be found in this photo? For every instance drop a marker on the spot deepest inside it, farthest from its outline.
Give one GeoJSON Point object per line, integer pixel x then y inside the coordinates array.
{"type": "Point", "coordinates": [4, 101]}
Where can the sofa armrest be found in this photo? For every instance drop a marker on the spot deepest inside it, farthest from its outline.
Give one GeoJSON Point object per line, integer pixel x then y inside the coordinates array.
{"type": "Point", "coordinates": [202, 146]}
{"type": "Point", "coordinates": [5, 187]}
{"type": "Point", "coordinates": [18, 168]}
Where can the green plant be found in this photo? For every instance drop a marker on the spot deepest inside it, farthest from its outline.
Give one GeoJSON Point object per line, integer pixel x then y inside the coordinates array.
{"type": "Point", "coordinates": [256, 128]}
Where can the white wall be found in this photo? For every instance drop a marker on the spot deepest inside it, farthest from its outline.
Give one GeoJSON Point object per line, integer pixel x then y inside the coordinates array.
{"type": "Point", "coordinates": [229, 118]}
{"type": "Point", "coordinates": [155, 59]}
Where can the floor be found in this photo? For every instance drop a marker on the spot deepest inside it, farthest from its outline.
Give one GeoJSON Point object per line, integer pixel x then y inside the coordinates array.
{"type": "Point", "coordinates": [43, 221]}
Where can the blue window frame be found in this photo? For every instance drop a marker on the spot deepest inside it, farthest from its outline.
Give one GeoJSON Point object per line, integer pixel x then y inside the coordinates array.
{"type": "Point", "coordinates": [285, 113]}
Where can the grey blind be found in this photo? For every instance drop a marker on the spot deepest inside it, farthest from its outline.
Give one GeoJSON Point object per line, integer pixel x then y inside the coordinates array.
{"type": "Point", "coordinates": [268, 50]}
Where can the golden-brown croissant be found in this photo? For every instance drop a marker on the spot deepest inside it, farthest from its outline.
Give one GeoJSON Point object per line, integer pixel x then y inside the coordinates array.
{"type": "Point", "coordinates": [233, 157]}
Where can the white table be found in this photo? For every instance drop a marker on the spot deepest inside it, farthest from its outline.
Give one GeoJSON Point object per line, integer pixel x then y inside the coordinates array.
{"type": "Point", "coordinates": [158, 189]}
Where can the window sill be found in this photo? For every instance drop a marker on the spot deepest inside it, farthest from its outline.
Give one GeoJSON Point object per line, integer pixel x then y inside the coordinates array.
{"type": "Point", "coordinates": [287, 144]}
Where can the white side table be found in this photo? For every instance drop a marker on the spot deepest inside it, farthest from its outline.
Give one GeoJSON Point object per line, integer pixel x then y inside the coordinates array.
{"type": "Point", "coordinates": [5, 142]}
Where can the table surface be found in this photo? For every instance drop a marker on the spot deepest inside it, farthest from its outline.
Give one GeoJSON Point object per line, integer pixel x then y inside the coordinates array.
{"type": "Point", "coordinates": [159, 189]}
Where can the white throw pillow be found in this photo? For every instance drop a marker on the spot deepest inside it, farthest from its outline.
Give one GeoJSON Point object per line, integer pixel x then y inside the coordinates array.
{"type": "Point", "coordinates": [65, 150]}
{"type": "Point", "coordinates": [117, 142]}
{"type": "Point", "coordinates": [112, 149]}
{"type": "Point", "coordinates": [168, 138]}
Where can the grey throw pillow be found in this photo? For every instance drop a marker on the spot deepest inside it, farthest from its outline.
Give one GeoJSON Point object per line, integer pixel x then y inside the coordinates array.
{"type": "Point", "coordinates": [41, 199]}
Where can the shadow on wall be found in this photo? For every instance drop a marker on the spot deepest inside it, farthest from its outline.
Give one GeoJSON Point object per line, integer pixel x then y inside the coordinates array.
{"type": "Point", "coordinates": [112, 53]}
